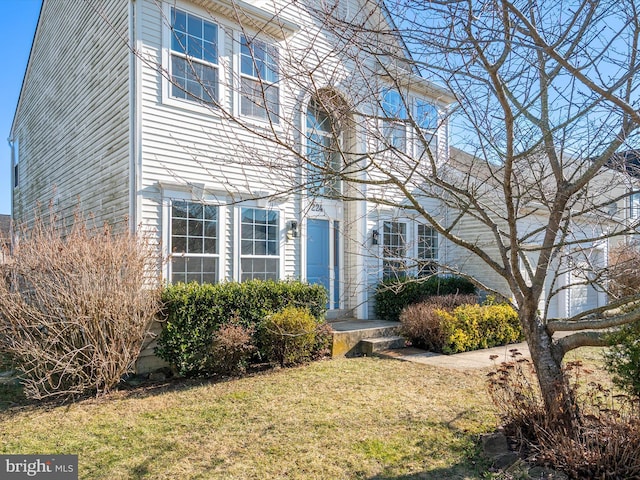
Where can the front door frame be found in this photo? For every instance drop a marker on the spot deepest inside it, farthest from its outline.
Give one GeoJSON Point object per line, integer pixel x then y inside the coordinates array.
{"type": "Point", "coordinates": [332, 212]}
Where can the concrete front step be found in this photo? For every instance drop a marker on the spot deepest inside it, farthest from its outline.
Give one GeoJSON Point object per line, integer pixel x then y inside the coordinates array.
{"type": "Point", "coordinates": [348, 334]}
{"type": "Point", "coordinates": [370, 346]}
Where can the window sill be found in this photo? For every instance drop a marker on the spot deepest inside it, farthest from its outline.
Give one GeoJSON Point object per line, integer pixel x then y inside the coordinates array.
{"type": "Point", "coordinates": [182, 104]}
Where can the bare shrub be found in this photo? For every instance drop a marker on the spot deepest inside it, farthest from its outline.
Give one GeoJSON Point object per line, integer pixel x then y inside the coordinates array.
{"type": "Point", "coordinates": [606, 444]}
{"type": "Point", "coordinates": [606, 447]}
{"type": "Point", "coordinates": [421, 323]}
{"type": "Point", "coordinates": [324, 342]}
{"type": "Point", "coordinates": [449, 302]}
{"type": "Point", "coordinates": [75, 307]}
{"type": "Point", "coordinates": [232, 349]}
{"type": "Point", "coordinates": [514, 390]}
{"type": "Point", "coordinates": [624, 270]}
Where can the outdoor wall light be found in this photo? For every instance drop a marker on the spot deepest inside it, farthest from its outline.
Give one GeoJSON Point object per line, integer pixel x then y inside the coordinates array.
{"type": "Point", "coordinates": [293, 230]}
{"type": "Point", "coordinates": [375, 236]}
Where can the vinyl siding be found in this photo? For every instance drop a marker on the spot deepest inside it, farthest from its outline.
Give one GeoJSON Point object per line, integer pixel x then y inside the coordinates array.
{"type": "Point", "coordinates": [183, 146]}
{"type": "Point", "coordinates": [72, 120]}
{"type": "Point", "coordinates": [186, 147]}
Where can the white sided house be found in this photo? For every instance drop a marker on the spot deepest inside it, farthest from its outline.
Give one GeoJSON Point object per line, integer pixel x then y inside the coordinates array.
{"type": "Point", "coordinates": [576, 280]}
{"type": "Point", "coordinates": [190, 119]}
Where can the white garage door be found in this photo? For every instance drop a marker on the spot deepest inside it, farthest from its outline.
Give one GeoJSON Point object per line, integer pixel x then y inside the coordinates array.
{"type": "Point", "coordinates": [584, 297]}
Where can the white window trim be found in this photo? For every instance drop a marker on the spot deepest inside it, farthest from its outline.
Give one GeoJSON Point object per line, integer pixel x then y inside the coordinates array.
{"type": "Point", "coordinates": [383, 245]}
{"type": "Point", "coordinates": [305, 148]}
{"type": "Point", "coordinates": [237, 68]}
{"type": "Point", "coordinates": [169, 196]}
{"type": "Point", "coordinates": [237, 236]}
{"type": "Point", "coordinates": [167, 98]}
{"type": "Point", "coordinates": [634, 205]}
{"type": "Point", "coordinates": [411, 244]}
{"type": "Point", "coordinates": [436, 259]}
{"type": "Point", "coordinates": [418, 131]}
{"type": "Point", "coordinates": [384, 122]}
{"type": "Point", "coordinates": [411, 140]}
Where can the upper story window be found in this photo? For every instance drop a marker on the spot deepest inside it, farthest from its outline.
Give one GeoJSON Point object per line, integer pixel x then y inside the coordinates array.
{"type": "Point", "coordinates": [259, 244]}
{"type": "Point", "coordinates": [194, 58]}
{"type": "Point", "coordinates": [394, 126]}
{"type": "Point", "coordinates": [259, 77]}
{"type": "Point", "coordinates": [322, 152]}
{"type": "Point", "coordinates": [194, 242]}
{"type": "Point", "coordinates": [426, 117]}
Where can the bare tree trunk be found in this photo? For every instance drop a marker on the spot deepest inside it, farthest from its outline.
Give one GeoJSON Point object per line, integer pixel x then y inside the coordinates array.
{"type": "Point", "coordinates": [556, 392]}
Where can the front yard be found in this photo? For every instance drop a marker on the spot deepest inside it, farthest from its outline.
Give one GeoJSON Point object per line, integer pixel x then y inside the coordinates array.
{"type": "Point", "coordinates": [341, 419]}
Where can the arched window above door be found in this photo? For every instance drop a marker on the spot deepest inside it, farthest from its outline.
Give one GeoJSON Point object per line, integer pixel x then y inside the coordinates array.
{"type": "Point", "coordinates": [323, 152]}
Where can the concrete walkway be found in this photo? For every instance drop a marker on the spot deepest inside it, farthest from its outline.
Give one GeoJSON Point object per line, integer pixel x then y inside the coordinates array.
{"type": "Point", "coordinates": [460, 361]}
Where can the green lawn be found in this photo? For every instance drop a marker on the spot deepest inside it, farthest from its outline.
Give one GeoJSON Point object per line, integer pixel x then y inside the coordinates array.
{"type": "Point", "coordinates": [339, 419]}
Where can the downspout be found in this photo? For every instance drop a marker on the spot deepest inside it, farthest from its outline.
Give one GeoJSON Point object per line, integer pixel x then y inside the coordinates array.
{"type": "Point", "coordinates": [134, 117]}
{"type": "Point", "coordinates": [363, 298]}
{"type": "Point", "coordinates": [11, 142]}
{"type": "Point", "coordinates": [12, 179]}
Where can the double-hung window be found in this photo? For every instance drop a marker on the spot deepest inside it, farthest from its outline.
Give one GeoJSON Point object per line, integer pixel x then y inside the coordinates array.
{"type": "Point", "coordinates": [427, 243]}
{"type": "Point", "coordinates": [409, 248]}
{"type": "Point", "coordinates": [259, 244]}
{"type": "Point", "coordinates": [394, 252]}
{"type": "Point", "coordinates": [194, 242]}
{"type": "Point", "coordinates": [259, 77]}
{"type": "Point", "coordinates": [394, 126]}
{"type": "Point", "coordinates": [194, 58]}
{"type": "Point", "coordinates": [426, 117]}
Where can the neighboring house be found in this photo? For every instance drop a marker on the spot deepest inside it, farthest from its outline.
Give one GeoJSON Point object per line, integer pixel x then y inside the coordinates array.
{"type": "Point", "coordinates": [5, 237]}
{"type": "Point", "coordinates": [117, 131]}
{"type": "Point", "coordinates": [573, 284]}
{"type": "Point", "coordinates": [629, 162]}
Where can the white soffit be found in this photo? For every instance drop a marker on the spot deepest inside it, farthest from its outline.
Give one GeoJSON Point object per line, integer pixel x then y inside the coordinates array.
{"type": "Point", "coordinates": [251, 17]}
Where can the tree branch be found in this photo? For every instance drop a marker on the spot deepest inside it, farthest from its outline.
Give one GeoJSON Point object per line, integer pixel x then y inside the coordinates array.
{"type": "Point", "coordinates": [581, 339]}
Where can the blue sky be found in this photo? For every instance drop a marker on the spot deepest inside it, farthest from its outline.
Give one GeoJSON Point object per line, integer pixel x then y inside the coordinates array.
{"type": "Point", "coordinates": [17, 26]}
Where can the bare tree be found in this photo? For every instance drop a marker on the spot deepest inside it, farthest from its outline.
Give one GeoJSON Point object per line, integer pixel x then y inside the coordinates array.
{"type": "Point", "coordinates": [547, 92]}
{"type": "Point", "coordinates": [542, 96]}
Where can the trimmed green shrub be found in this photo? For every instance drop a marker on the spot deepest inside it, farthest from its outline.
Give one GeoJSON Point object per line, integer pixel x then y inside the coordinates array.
{"type": "Point", "coordinates": [622, 359]}
{"type": "Point", "coordinates": [471, 327]}
{"type": "Point", "coordinates": [392, 296]}
{"type": "Point", "coordinates": [461, 329]}
{"type": "Point", "coordinates": [289, 336]}
{"type": "Point", "coordinates": [193, 313]}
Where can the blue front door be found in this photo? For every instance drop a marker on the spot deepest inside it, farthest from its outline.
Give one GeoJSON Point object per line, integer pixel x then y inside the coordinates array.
{"type": "Point", "coordinates": [318, 253]}
{"type": "Point", "coordinates": [323, 258]}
